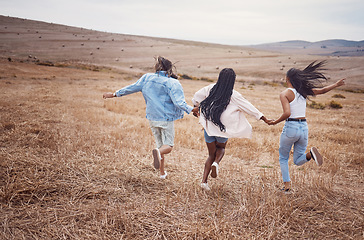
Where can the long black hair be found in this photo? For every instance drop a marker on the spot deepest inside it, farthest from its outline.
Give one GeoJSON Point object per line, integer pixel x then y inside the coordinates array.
{"type": "Point", "coordinates": [164, 64]}
{"type": "Point", "coordinates": [218, 99]}
{"type": "Point", "coordinates": [307, 79]}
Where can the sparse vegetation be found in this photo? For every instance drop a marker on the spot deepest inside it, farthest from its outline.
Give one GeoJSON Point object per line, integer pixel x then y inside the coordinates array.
{"type": "Point", "coordinates": [334, 104]}
{"type": "Point", "coordinates": [338, 96]}
{"type": "Point", "coordinates": [185, 76]}
{"type": "Point", "coordinates": [272, 84]}
{"type": "Point", "coordinates": [354, 90]}
{"type": "Point", "coordinates": [206, 79]}
{"type": "Point", "coordinates": [316, 105]}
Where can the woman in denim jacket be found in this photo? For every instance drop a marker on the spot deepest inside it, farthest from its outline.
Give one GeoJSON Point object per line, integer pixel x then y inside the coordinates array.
{"type": "Point", "coordinates": [165, 103]}
{"type": "Point", "coordinates": [301, 84]}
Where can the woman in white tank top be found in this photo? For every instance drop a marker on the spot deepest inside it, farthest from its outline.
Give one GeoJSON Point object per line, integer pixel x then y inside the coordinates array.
{"type": "Point", "coordinates": [301, 84]}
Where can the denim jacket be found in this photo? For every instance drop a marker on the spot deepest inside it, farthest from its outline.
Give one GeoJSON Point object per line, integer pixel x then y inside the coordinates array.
{"type": "Point", "coordinates": [163, 96]}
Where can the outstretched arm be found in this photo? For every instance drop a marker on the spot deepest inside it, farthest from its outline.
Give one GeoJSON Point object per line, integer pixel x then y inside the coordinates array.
{"type": "Point", "coordinates": [135, 87]}
{"type": "Point", "coordinates": [318, 91]}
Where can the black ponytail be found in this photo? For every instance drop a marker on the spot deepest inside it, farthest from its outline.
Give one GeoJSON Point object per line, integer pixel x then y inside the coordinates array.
{"type": "Point", "coordinates": [307, 79]}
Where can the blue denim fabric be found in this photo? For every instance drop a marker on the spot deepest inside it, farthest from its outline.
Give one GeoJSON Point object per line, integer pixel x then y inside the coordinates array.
{"type": "Point", "coordinates": [210, 139]}
{"type": "Point", "coordinates": [296, 134]}
{"type": "Point", "coordinates": [163, 96]}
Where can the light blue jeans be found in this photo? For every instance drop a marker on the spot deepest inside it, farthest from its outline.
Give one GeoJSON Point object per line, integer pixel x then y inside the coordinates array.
{"type": "Point", "coordinates": [296, 134]}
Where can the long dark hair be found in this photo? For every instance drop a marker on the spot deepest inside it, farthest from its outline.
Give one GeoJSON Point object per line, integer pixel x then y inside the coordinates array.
{"type": "Point", "coordinates": [218, 99]}
{"type": "Point", "coordinates": [164, 64]}
{"type": "Point", "coordinates": [307, 79]}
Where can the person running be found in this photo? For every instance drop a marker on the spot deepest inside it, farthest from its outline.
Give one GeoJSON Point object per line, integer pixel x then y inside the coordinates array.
{"type": "Point", "coordinates": [222, 115]}
{"type": "Point", "coordinates": [301, 84]}
{"type": "Point", "coordinates": [165, 103]}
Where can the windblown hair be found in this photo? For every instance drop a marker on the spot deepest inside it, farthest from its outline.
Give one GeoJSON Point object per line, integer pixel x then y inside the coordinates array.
{"type": "Point", "coordinates": [307, 79]}
{"type": "Point", "coordinates": [164, 64]}
{"type": "Point", "coordinates": [219, 98]}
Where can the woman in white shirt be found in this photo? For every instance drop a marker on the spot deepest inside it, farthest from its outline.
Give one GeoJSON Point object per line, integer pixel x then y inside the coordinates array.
{"type": "Point", "coordinates": [222, 116]}
{"type": "Point", "coordinates": [301, 84]}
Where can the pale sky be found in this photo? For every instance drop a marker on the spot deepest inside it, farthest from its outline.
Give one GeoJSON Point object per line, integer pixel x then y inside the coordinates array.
{"type": "Point", "coordinates": [233, 22]}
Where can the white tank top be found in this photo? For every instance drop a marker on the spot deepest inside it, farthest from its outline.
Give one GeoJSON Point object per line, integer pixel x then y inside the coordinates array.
{"type": "Point", "coordinates": [298, 105]}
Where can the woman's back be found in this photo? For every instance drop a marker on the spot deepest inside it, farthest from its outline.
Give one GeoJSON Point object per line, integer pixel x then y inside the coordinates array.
{"type": "Point", "coordinates": [298, 105]}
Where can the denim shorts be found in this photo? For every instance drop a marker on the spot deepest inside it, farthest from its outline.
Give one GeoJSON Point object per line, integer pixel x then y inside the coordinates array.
{"type": "Point", "coordinates": [163, 132]}
{"type": "Point", "coordinates": [210, 139]}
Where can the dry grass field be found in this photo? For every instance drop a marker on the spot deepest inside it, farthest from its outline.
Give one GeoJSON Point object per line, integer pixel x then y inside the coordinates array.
{"type": "Point", "coordinates": [76, 166]}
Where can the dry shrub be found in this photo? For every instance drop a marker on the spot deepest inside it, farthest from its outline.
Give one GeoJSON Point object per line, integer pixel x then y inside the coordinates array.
{"type": "Point", "coordinates": [316, 105]}
{"type": "Point", "coordinates": [334, 104]}
{"type": "Point", "coordinates": [338, 95]}
{"type": "Point", "coordinates": [272, 84]}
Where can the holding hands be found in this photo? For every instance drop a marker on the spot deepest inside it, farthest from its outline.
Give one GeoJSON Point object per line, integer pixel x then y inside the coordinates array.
{"type": "Point", "coordinates": [267, 121]}
{"type": "Point", "coordinates": [196, 111]}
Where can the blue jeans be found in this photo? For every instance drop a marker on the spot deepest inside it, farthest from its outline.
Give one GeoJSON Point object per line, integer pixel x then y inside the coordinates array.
{"type": "Point", "coordinates": [210, 139]}
{"type": "Point", "coordinates": [294, 133]}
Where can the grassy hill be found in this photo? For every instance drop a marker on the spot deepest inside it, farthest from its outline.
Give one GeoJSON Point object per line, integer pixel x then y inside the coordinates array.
{"type": "Point", "coordinates": [75, 166]}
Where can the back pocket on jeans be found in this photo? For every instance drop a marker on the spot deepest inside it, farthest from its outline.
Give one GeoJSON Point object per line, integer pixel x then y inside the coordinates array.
{"type": "Point", "coordinates": [291, 132]}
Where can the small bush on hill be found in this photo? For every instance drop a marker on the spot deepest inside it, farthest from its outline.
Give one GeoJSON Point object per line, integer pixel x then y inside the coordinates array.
{"type": "Point", "coordinates": [316, 105]}
{"type": "Point", "coordinates": [338, 96]}
{"type": "Point", "coordinates": [335, 104]}
{"type": "Point", "coordinates": [354, 90]}
{"type": "Point", "coordinates": [185, 76]}
{"type": "Point", "coordinates": [272, 84]}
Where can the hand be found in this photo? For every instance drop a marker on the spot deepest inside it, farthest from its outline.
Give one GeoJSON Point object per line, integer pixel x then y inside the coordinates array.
{"type": "Point", "coordinates": [272, 122]}
{"type": "Point", "coordinates": [340, 82]}
{"type": "Point", "coordinates": [108, 95]}
{"type": "Point", "coordinates": [196, 111]}
{"type": "Point", "coordinates": [267, 121]}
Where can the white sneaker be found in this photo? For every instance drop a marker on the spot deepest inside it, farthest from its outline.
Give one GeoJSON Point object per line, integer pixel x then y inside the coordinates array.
{"type": "Point", "coordinates": [205, 186]}
{"type": "Point", "coordinates": [164, 176]}
{"type": "Point", "coordinates": [157, 157]}
{"type": "Point", "coordinates": [214, 169]}
{"type": "Point", "coordinates": [316, 156]}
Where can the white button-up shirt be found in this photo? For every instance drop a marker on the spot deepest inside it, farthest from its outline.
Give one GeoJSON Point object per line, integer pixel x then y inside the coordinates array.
{"type": "Point", "coordinates": [236, 124]}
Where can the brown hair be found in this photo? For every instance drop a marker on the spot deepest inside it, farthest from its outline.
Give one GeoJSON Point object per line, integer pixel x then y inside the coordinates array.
{"type": "Point", "coordinates": [307, 79]}
{"type": "Point", "coordinates": [164, 64]}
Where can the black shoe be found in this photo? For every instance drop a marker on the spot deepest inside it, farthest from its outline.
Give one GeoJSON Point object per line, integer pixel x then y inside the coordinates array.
{"type": "Point", "coordinates": [316, 156]}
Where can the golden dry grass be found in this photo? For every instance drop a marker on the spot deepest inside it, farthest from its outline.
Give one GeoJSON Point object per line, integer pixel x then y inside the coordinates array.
{"type": "Point", "coordinates": [75, 166]}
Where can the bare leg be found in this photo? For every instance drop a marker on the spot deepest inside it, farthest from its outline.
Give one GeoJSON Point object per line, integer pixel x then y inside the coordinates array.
{"type": "Point", "coordinates": [211, 147]}
{"type": "Point", "coordinates": [220, 151]}
{"type": "Point", "coordinates": [216, 152]}
{"type": "Point", "coordinates": [165, 149]}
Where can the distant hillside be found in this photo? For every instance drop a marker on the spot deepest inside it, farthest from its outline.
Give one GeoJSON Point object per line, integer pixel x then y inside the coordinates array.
{"type": "Point", "coordinates": [333, 47]}
{"type": "Point", "coordinates": [51, 44]}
